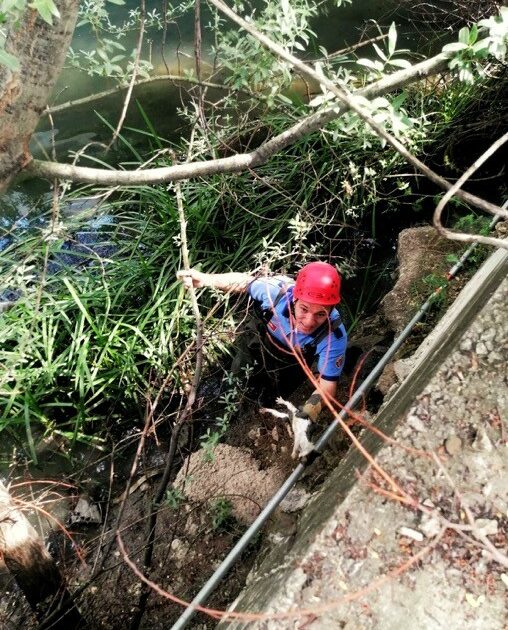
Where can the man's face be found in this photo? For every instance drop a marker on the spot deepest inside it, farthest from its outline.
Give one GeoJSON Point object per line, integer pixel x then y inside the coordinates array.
{"type": "Point", "coordinates": [309, 316]}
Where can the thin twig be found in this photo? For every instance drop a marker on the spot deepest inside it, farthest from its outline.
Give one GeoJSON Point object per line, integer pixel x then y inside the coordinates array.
{"type": "Point", "coordinates": [460, 236]}
{"type": "Point", "coordinates": [345, 51]}
{"type": "Point", "coordinates": [495, 553]}
{"type": "Point", "coordinates": [197, 51]}
{"type": "Point", "coordinates": [134, 74]}
{"type": "Point", "coordinates": [173, 78]}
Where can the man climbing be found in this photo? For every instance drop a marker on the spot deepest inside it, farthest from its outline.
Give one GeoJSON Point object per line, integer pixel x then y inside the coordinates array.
{"type": "Point", "coordinates": [292, 318]}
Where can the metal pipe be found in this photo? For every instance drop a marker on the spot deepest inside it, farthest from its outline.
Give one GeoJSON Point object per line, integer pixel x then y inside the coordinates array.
{"type": "Point", "coordinates": [231, 558]}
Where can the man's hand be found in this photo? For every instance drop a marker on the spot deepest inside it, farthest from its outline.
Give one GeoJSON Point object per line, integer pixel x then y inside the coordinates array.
{"type": "Point", "coordinates": [192, 277]}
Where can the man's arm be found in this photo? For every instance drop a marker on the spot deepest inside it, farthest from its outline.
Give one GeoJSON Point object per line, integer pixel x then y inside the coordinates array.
{"type": "Point", "coordinates": [314, 403]}
{"type": "Point", "coordinates": [235, 282]}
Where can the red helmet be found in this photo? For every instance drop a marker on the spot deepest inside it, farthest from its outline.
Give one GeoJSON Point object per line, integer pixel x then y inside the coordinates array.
{"type": "Point", "coordinates": [318, 283]}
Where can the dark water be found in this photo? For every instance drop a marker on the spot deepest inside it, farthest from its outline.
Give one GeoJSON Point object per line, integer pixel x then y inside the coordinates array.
{"type": "Point", "coordinates": [339, 28]}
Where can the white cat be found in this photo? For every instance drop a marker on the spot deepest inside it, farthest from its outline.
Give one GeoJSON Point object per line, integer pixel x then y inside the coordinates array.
{"type": "Point", "coordinates": [302, 446]}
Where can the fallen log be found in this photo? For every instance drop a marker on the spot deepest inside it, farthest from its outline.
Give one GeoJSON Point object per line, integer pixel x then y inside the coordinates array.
{"type": "Point", "coordinates": [34, 570]}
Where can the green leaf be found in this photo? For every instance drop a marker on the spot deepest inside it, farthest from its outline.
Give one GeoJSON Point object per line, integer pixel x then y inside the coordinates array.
{"type": "Point", "coordinates": [464, 35]}
{"type": "Point", "coordinates": [473, 35]}
{"type": "Point", "coordinates": [392, 38]}
{"type": "Point", "coordinates": [466, 75]}
{"type": "Point", "coordinates": [368, 63]}
{"type": "Point", "coordinates": [454, 47]}
{"type": "Point", "coordinates": [483, 44]}
{"type": "Point", "coordinates": [45, 14]}
{"type": "Point", "coordinates": [399, 100]}
{"type": "Point", "coordinates": [8, 60]}
{"type": "Point", "coordinates": [284, 99]}
{"type": "Point", "coordinates": [380, 52]}
{"type": "Point", "coordinates": [46, 9]}
{"type": "Point", "coordinates": [79, 303]}
{"type": "Point", "coordinates": [102, 54]}
{"type": "Point", "coordinates": [8, 5]}
{"type": "Point", "coordinates": [119, 2]}
{"type": "Point", "coordinates": [114, 44]}
{"type": "Point", "coordinates": [400, 63]}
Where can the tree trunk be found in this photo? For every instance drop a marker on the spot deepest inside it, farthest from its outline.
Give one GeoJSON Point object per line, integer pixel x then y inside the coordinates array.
{"type": "Point", "coordinates": [34, 570]}
{"type": "Point", "coordinates": [40, 49]}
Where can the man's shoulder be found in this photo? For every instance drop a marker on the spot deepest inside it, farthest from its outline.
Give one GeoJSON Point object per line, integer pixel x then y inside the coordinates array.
{"type": "Point", "coordinates": [337, 336]}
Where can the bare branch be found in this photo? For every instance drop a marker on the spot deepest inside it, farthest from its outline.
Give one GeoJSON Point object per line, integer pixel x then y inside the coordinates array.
{"type": "Point", "coordinates": [495, 553]}
{"type": "Point", "coordinates": [173, 78]}
{"type": "Point", "coordinates": [460, 236]}
{"type": "Point", "coordinates": [345, 51]}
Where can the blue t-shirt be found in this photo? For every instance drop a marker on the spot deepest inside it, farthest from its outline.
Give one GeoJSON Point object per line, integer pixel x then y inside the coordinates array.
{"type": "Point", "coordinates": [330, 351]}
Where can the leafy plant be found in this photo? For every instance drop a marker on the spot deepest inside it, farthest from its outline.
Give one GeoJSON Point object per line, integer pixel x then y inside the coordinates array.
{"type": "Point", "coordinates": [387, 58]}
{"type": "Point", "coordinates": [174, 498]}
{"type": "Point", "coordinates": [469, 51]}
{"type": "Point", "coordinates": [221, 511]}
{"type": "Point", "coordinates": [498, 33]}
{"type": "Point", "coordinates": [435, 283]}
{"type": "Point", "coordinates": [229, 402]}
{"type": "Point", "coordinates": [249, 65]}
{"type": "Point", "coordinates": [472, 224]}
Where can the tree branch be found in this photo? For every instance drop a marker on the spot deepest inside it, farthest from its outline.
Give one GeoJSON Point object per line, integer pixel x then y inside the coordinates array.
{"type": "Point", "coordinates": [242, 161]}
{"type": "Point", "coordinates": [347, 98]}
{"type": "Point", "coordinates": [135, 69]}
{"type": "Point", "coordinates": [460, 236]}
{"type": "Point", "coordinates": [174, 78]}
